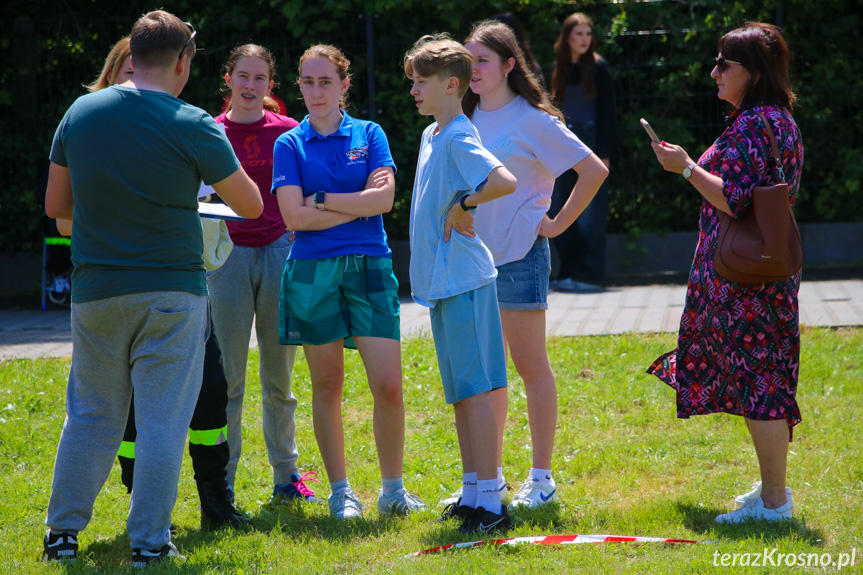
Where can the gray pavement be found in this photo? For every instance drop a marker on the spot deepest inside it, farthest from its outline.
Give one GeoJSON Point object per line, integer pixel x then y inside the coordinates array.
{"type": "Point", "coordinates": [642, 309]}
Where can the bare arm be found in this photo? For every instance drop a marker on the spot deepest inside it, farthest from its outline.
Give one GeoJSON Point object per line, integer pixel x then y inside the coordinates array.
{"type": "Point", "coordinates": [675, 159]}
{"type": "Point", "coordinates": [241, 194]}
{"type": "Point", "coordinates": [64, 227]}
{"type": "Point", "coordinates": [376, 198]}
{"type": "Point", "coordinates": [299, 217]}
{"type": "Point", "coordinates": [58, 195]}
{"type": "Point", "coordinates": [500, 183]}
{"type": "Point", "coordinates": [591, 173]}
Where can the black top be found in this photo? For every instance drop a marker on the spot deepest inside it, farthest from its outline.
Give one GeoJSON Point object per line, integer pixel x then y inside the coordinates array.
{"type": "Point", "coordinates": [593, 120]}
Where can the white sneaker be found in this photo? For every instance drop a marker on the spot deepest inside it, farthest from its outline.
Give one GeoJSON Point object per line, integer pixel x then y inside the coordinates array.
{"type": "Point", "coordinates": [754, 510]}
{"type": "Point", "coordinates": [741, 500]}
{"type": "Point", "coordinates": [345, 505]}
{"type": "Point", "coordinates": [534, 493]}
{"type": "Point", "coordinates": [401, 502]}
{"type": "Point", "coordinates": [503, 490]}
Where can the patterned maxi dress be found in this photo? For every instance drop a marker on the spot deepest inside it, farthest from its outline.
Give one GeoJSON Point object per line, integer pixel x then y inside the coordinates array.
{"type": "Point", "coordinates": [738, 348]}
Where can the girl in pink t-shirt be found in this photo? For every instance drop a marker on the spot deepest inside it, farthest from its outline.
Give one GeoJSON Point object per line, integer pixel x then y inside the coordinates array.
{"type": "Point", "coordinates": [517, 122]}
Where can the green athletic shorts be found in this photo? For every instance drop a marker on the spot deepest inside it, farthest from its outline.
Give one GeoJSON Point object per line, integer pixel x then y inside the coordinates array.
{"type": "Point", "coordinates": [338, 298]}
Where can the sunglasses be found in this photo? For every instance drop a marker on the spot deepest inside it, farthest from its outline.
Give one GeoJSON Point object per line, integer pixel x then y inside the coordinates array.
{"type": "Point", "coordinates": [189, 41]}
{"type": "Point", "coordinates": [722, 64]}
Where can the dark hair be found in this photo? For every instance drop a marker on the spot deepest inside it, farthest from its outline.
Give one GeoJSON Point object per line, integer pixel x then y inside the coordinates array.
{"type": "Point", "coordinates": [336, 57]}
{"type": "Point", "coordinates": [501, 40]}
{"type": "Point", "coordinates": [563, 60]}
{"type": "Point", "coordinates": [441, 56]}
{"type": "Point", "coordinates": [157, 39]}
{"type": "Point", "coordinates": [761, 49]}
{"type": "Point", "coordinates": [510, 20]}
{"type": "Point", "coordinates": [252, 51]}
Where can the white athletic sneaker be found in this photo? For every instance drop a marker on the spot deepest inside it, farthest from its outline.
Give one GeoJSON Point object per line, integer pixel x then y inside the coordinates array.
{"type": "Point", "coordinates": [456, 495]}
{"type": "Point", "coordinates": [741, 500]}
{"type": "Point", "coordinates": [754, 510]}
{"type": "Point", "coordinates": [401, 502]}
{"type": "Point", "coordinates": [534, 493]}
{"type": "Point", "coordinates": [345, 505]}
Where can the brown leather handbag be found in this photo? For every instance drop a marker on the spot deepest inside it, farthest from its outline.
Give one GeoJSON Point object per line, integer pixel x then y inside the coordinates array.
{"type": "Point", "coordinates": [763, 245]}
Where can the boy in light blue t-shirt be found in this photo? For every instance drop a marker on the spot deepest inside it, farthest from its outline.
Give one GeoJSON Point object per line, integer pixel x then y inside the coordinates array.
{"type": "Point", "coordinates": [454, 273]}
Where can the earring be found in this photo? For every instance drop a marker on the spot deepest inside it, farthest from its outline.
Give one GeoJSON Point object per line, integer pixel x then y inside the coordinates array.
{"type": "Point", "coordinates": [506, 74]}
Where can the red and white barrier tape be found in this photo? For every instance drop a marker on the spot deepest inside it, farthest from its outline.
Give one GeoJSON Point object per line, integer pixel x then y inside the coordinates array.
{"type": "Point", "coordinates": [552, 540]}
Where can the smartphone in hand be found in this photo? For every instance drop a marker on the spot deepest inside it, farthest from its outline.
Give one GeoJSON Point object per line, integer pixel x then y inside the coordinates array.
{"type": "Point", "coordinates": [649, 130]}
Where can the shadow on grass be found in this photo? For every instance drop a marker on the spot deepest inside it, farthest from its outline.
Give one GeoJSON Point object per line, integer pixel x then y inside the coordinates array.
{"type": "Point", "coordinates": [544, 518]}
{"type": "Point", "coordinates": [114, 555]}
{"type": "Point", "coordinates": [702, 520]}
{"type": "Point", "coordinates": [304, 520]}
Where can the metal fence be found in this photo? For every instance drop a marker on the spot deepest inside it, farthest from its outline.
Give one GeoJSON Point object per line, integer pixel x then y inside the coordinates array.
{"type": "Point", "coordinates": [53, 56]}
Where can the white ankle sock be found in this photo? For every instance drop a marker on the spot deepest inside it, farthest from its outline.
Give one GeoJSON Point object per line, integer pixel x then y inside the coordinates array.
{"type": "Point", "coordinates": [488, 496]}
{"type": "Point", "coordinates": [468, 489]}
{"type": "Point", "coordinates": [541, 475]}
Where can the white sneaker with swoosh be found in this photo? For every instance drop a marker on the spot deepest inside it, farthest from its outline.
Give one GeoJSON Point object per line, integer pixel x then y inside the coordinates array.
{"type": "Point", "coordinates": [534, 493]}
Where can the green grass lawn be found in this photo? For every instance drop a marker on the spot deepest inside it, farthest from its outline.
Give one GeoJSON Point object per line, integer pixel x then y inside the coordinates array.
{"type": "Point", "coordinates": [624, 465]}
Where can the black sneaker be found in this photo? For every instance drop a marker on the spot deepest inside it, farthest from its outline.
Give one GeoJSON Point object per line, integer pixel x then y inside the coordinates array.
{"type": "Point", "coordinates": [455, 511]}
{"type": "Point", "coordinates": [485, 522]}
{"type": "Point", "coordinates": [144, 557]}
{"type": "Point", "coordinates": [61, 547]}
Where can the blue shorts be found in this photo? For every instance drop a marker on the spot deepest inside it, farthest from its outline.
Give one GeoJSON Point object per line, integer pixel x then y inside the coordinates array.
{"type": "Point", "coordinates": [469, 341]}
{"type": "Point", "coordinates": [523, 284]}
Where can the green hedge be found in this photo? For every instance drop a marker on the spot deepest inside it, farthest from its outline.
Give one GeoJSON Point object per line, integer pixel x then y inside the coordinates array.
{"type": "Point", "coordinates": [659, 52]}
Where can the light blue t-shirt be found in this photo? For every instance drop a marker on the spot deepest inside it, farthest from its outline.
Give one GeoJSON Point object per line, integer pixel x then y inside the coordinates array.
{"type": "Point", "coordinates": [451, 164]}
{"type": "Point", "coordinates": [336, 164]}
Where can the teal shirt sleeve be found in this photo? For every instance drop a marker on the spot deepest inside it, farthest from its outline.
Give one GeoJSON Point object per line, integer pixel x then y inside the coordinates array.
{"type": "Point", "coordinates": [213, 152]}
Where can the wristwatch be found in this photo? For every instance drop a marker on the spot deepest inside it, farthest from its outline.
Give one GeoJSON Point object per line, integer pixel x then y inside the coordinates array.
{"type": "Point", "coordinates": [320, 198]}
{"type": "Point", "coordinates": [687, 171]}
{"type": "Point", "coordinates": [463, 205]}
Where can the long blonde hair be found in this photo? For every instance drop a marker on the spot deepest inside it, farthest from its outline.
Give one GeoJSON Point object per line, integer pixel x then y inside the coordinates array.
{"type": "Point", "coordinates": [112, 67]}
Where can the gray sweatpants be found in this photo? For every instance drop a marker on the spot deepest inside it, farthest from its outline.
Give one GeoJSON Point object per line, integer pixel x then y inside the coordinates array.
{"type": "Point", "coordinates": [246, 289]}
{"type": "Point", "coordinates": [152, 342]}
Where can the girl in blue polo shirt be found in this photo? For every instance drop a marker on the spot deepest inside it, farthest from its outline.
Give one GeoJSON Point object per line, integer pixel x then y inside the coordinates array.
{"type": "Point", "coordinates": [333, 176]}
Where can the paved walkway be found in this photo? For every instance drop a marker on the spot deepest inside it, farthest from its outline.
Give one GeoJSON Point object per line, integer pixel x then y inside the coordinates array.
{"type": "Point", "coordinates": [644, 309]}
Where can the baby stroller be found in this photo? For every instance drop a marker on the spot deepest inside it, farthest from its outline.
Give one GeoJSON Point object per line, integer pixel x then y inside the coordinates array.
{"type": "Point", "coordinates": [56, 269]}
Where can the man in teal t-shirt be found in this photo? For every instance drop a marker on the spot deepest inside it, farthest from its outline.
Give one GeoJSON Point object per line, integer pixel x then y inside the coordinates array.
{"type": "Point", "coordinates": [126, 165]}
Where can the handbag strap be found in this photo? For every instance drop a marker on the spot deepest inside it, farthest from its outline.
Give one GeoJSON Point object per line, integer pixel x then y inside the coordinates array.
{"type": "Point", "coordinates": [774, 147]}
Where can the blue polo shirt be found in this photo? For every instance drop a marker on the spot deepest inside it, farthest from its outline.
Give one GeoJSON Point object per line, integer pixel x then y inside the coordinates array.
{"type": "Point", "coordinates": [337, 164]}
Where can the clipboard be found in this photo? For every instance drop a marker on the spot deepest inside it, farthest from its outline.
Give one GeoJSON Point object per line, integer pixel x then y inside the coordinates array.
{"type": "Point", "coordinates": [218, 211]}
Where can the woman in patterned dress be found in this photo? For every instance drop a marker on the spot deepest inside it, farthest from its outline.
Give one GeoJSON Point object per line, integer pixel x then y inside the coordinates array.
{"type": "Point", "coordinates": [738, 348]}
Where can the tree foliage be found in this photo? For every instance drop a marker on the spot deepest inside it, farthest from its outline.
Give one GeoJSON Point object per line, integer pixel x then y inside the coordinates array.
{"type": "Point", "coordinates": [659, 53]}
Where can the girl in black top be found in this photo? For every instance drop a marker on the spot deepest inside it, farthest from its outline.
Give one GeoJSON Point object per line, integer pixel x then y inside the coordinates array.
{"type": "Point", "coordinates": [581, 86]}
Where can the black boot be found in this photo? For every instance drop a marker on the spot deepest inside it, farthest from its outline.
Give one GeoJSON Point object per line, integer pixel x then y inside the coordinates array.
{"type": "Point", "coordinates": [217, 511]}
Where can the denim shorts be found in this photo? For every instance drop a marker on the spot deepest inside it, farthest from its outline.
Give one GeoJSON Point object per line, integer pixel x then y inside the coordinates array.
{"type": "Point", "coordinates": [523, 284]}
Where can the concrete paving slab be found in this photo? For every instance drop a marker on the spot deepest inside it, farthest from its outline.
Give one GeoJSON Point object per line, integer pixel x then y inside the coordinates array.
{"type": "Point", "coordinates": [643, 309]}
